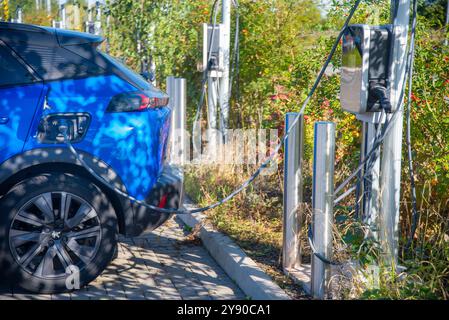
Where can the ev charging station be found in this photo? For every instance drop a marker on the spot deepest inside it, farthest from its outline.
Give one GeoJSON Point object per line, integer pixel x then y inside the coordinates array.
{"type": "Point", "coordinates": [213, 65]}
{"type": "Point", "coordinates": [215, 49]}
{"type": "Point", "coordinates": [93, 23]}
{"type": "Point", "coordinates": [373, 75]}
{"type": "Point", "coordinates": [365, 91]}
{"type": "Point", "coordinates": [61, 24]}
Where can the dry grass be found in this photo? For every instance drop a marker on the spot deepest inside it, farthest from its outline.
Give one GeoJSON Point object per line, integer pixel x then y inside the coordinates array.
{"type": "Point", "coordinates": [254, 220]}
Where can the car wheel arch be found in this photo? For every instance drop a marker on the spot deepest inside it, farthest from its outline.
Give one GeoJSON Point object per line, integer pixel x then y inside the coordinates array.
{"type": "Point", "coordinates": [50, 160]}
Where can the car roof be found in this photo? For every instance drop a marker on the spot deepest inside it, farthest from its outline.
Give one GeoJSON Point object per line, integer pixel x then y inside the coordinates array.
{"type": "Point", "coordinates": [45, 36]}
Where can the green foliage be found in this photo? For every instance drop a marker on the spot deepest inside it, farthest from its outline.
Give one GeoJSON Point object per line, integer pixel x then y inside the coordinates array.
{"type": "Point", "coordinates": [430, 131]}
{"type": "Point", "coordinates": [363, 249]}
{"type": "Point", "coordinates": [274, 37]}
{"type": "Point", "coordinates": [168, 30]}
{"type": "Point", "coordinates": [273, 34]}
{"type": "Point", "coordinates": [433, 11]}
{"type": "Point", "coordinates": [31, 14]}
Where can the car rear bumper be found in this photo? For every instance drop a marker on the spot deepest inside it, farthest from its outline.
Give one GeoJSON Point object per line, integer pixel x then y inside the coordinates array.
{"type": "Point", "coordinates": [167, 193]}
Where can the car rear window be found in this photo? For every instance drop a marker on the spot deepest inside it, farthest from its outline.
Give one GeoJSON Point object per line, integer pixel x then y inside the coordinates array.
{"type": "Point", "coordinates": [12, 71]}
{"type": "Point", "coordinates": [130, 74]}
{"type": "Point", "coordinates": [55, 63]}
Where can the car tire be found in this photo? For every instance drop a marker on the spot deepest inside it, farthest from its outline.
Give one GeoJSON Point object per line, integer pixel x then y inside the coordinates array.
{"type": "Point", "coordinates": [60, 253]}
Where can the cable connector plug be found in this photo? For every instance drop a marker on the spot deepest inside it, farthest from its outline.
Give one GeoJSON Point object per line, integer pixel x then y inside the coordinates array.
{"type": "Point", "coordinates": [63, 129]}
{"type": "Point", "coordinates": [381, 93]}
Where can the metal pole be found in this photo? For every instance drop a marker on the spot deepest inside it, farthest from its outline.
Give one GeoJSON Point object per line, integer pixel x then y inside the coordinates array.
{"type": "Point", "coordinates": [153, 66]}
{"type": "Point", "coordinates": [97, 23]}
{"type": "Point", "coordinates": [108, 24]}
{"type": "Point", "coordinates": [152, 72]}
{"type": "Point", "coordinates": [212, 125]}
{"type": "Point", "coordinates": [369, 209]}
{"type": "Point", "coordinates": [64, 17]}
{"type": "Point", "coordinates": [19, 15]}
{"type": "Point", "coordinates": [98, 11]}
{"type": "Point", "coordinates": [293, 191]}
{"type": "Point", "coordinates": [224, 80]}
{"type": "Point", "coordinates": [322, 204]}
{"type": "Point", "coordinates": [176, 89]}
{"type": "Point", "coordinates": [392, 148]}
{"type": "Point", "coordinates": [89, 14]}
{"type": "Point", "coordinates": [446, 24]}
{"type": "Point", "coordinates": [77, 17]}
{"type": "Point", "coordinates": [48, 4]}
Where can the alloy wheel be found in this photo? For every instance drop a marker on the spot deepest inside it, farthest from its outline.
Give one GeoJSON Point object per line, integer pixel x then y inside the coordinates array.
{"type": "Point", "coordinates": [53, 231]}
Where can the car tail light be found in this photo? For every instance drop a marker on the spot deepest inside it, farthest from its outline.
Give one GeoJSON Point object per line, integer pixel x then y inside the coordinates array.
{"type": "Point", "coordinates": [163, 201]}
{"type": "Point", "coordinates": [135, 101]}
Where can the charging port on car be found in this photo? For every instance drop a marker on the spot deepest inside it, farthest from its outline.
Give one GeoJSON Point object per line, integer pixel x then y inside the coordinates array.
{"type": "Point", "coordinates": [76, 125]}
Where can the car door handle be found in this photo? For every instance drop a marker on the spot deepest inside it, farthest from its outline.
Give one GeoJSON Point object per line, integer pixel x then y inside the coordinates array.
{"type": "Point", "coordinates": [4, 120]}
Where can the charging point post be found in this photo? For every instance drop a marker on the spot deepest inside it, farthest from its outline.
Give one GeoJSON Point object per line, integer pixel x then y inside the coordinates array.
{"type": "Point", "coordinates": [392, 146]}
{"type": "Point", "coordinates": [211, 64]}
{"type": "Point", "coordinates": [176, 90]}
{"type": "Point", "coordinates": [372, 82]}
{"type": "Point", "coordinates": [322, 205]}
{"type": "Point", "coordinates": [224, 80]}
{"type": "Point", "coordinates": [93, 23]}
{"type": "Point", "coordinates": [61, 24]}
{"type": "Point", "coordinates": [216, 56]}
{"type": "Point", "coordinates": [293, 191]}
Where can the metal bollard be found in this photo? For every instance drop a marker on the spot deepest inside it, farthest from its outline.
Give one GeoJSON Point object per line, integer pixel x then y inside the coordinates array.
{"type": "Point", "coordinates": [322, 203]}
{"type": "Point", "coordinates": [293, 191]}
{"type": "Point", "coordinates": [176, 89]}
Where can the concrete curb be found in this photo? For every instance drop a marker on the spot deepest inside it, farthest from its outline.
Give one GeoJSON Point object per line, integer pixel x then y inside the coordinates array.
{"type": "Point", "coordinates": [255, 283]}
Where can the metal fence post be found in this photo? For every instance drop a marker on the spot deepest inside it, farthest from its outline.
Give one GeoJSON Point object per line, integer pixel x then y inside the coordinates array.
{"type": "Point", "coordinates": [293, 192]}
{"type": "Point", "coordinates": [392, 145]}
{"type": "Point", "coordinates": [176, 89]}
{"type": "Point", "coordinates": [322, 203]}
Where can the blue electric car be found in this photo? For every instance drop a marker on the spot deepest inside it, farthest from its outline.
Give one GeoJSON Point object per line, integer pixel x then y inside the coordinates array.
{"type": "Point", "coordinates": [53, 213]}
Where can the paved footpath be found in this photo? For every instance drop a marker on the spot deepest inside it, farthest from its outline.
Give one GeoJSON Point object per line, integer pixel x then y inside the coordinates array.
{"type": "Point", "coordinates": [162, 265]}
